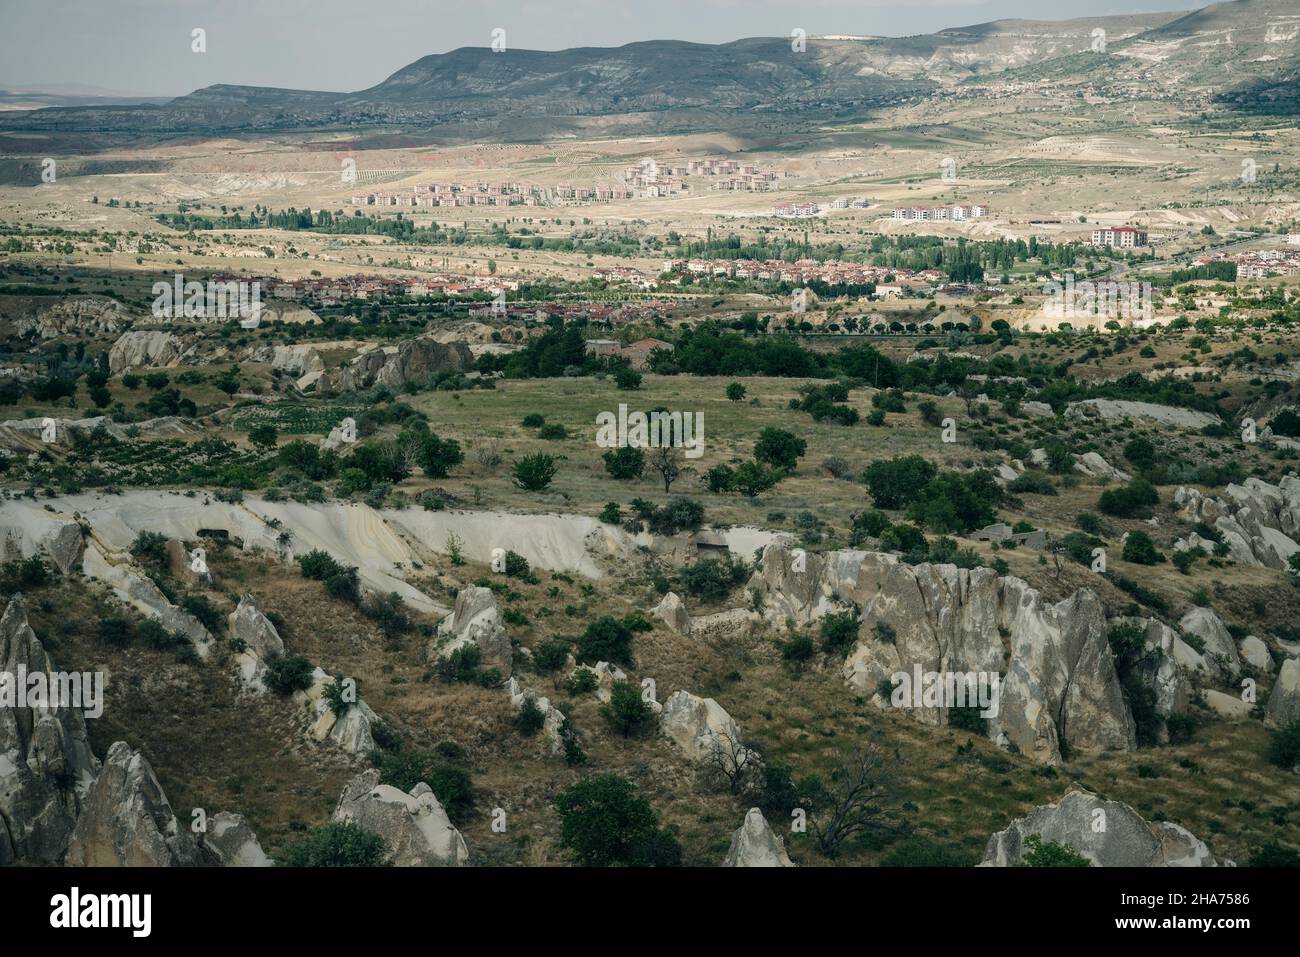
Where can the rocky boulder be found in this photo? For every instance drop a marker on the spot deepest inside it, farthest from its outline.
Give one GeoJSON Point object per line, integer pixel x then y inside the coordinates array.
{"type": "Point", "coordinates": [394, 366]}
{"type": "Point", "coordinates": [350, 729]}
{"type": "Point", "coordinates": [1255, 654]}
{"type": "Point", "coordinates": [552, 717]}
{"type": "Point", "coordinates": [1107, 833]}
{"type": "Point", "coordinates": [699, 726]}
{"type": "Point", "coordinates": [414, 827]}
{"type": "Point", "coordinates": [1258, 522]}
{"type": "Point", "coordinates": [230, 842]}
{"type": "Point", "coordinates": [1284, 700]}
{"type": "Point", "coordinates": [1220, 658]}
{"type": "Point", "coordinates": [756, 845]}
{"type": "Point", "coordinates": [261, 642]}
{"type": "Point", "coordinates": [127, 821]}
{"type": "Point", "coordinates": [145, 348]}
{"type": "Point", "coordinates": [1092, 464]}
{"type": "Point", "coordinates": [476, 619]}
{"type": "Point", "coordinates": [671, 610]}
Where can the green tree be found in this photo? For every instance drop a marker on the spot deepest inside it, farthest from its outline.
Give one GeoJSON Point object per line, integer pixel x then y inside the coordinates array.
{"type": "Point", "coordinates": [1040, 853]}
{"type": "Point", "coordinates": [626, 712]}
{"type": "Point", "coordinates": [896, 483]}
{"type": "Point", "coordinates": [624, 463]}
{"type": "Point", "coordinates": [438, 456]}
{"type": "Point", "coordinates": [534, 473]}
{"type": "Point", "coordinates": [339, 844]}
{"type": "Point", "coordinates": [779, 448]}
{"type": "Point", "coordinates": [605, 823]}
{"type": "Point", "coordinates": [263, 436]}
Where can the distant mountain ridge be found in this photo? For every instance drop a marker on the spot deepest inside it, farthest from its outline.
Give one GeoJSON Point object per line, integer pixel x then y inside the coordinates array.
{"type": "Point", "coordinates": [755, 76]}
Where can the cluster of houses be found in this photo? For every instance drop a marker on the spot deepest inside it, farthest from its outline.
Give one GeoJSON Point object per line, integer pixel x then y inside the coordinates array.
{"type": "Point", "coordinates": [444, 195]}
{"type": "Point", "coordinates": [653, 177]}
{"type": "Point", "coordinates": [889, 281]}
{"type": "Point", "coordinates": [637, 353]}
{"type": "Point", "coordinates": [796, 210]}
{"type": "Point", "coordinates": [850, 202]}
{"type": "Point", "coordinates": [625, 274]}
{"type": "Point", "coordinates": [957, 213]}
{"type": "Point", "coordinates": [455, 194]}
{"type": "Point", "coordinates": [1260, 263]}
{"type": "Point", "coordinates": [1119, 237]}
{"type": "Point", "coordinates": [587, 194]}
{"type": "Point", "coordinates": [332, 291]}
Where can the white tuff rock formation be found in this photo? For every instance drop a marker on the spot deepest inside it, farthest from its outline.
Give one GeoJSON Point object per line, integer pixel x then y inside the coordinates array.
{"type": "Point", "coordinates": [414, 827]}
{"type": "Point", "coordinates": [1120, 409]}
{"type": "Point", "coordinates": [672, 612]}
{"type": "Point", "coordinates": [1284, 700]}
{"type": "Point", "coordinates": [552, 717]}
{"type": "Point", "coordinates": [126, 820]}
{"type": "Point", "coordinates": [1107, 833]}
{"type": "Point", "coordinates": [46, 765]}
{"type": "Point", "coordinates": [756, 845]}
{"type": "Point", "coordinates": [230, 842]}
{"type": "Point", "coordinates": [476, 620]}
{"type": "Point", "coordinates": [1259, 522]}
{"type": "Point", "coordinates": [699, 726]}
{"type": "Point", "coordinates": [262, 643]}
{"type": "Point", "coordinates": [1058, 678]}
{"type": "Point", "coordinates": [351, 730]}
{"type": "Point", "coordinates": [143, 348]}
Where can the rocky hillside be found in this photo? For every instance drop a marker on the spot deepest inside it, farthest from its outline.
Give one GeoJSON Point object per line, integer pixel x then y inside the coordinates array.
{"type": "Point", "coordinates": [759, 76]}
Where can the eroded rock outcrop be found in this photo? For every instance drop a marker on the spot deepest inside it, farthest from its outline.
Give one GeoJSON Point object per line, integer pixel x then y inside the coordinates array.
{"type": "Point", "coordinates": [346, 723]}
{"type": "Point", "coordinates": [671, 610]}
{"type": "Point", "coordinates": [1056, 677]}
{"type": "Point", "coordinates": [394, 366]}
{"type": "Point", "coordinates": [31, 532]}
{"type": "Point", "coordinates": [1258, 522]}
{"type": "Point", "coordinates": [1123, 409]}
{"type": "Point", "coordinates": [145, 348]}
{"type": "Point", "coordinates": [260, 642]}
{"type": "Point", "coordinates": [475, 620]}
{"type": "Point", "coordinates": [803, 586]}
{"type": "Point", "coordinates": [414, 827]}
{"type": "Point", "coordinates": [82, 316]}
{"type": "Point", "coordinates": [1219, 657]}
{"type": "Point", "coordinates": [1284, 700]}
{"type": "Point", "coordinates": [230, 842]}
{"type": "Point", "coordinates": [699, 726]}
{"type": "Point", "coordinates": [127, 821]}
{"type": "Point", "coordinates": [1092, 464]}
{"type": "Point", "coordinates": [552, 717]}
{"type": "Point", "coordinates": [136, 589]}
{"type": "Point", "coordinates": [46, 765]}
{"type": "Point", "coordinates": [1107, 833]}
{"type": "Point", "coordinates": [755, 844]}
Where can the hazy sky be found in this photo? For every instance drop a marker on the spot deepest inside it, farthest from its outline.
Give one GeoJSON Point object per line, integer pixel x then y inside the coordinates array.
{"type": "Point", "coordinates": [144, 46]}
